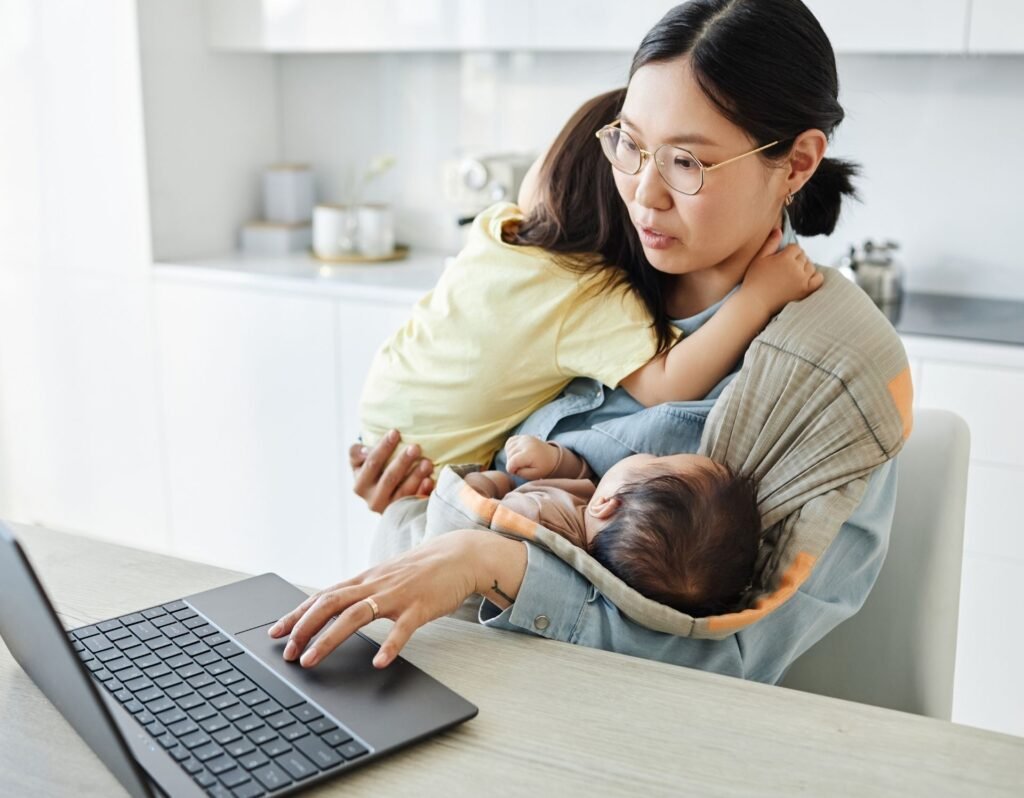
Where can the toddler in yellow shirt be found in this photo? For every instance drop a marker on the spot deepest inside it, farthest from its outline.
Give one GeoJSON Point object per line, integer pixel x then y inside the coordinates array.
{"type": "Point", "coordinates": [509, 324]}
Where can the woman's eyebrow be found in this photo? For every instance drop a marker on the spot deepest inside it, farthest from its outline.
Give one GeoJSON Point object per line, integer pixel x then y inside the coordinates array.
{"type": "Point", "coordinates": [685, 138]}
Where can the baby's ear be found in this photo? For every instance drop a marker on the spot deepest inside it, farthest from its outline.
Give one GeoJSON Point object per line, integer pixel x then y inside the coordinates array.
{"type": "Point", "coordinates": [603, 507]}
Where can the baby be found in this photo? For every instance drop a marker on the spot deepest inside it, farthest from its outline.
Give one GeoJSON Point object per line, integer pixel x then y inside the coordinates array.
{"type": "Point", "coordinates": [683, 530]}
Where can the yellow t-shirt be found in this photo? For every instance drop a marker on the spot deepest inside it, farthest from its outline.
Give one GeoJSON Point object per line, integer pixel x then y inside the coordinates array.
{"type": "Point", "coordinates": [501, 334]}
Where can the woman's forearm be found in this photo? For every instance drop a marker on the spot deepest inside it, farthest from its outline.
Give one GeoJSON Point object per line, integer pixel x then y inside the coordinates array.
{"type": "Point", "coordinates": [695, 365]}
{"type": "Point", "coordinates": [499, 565]}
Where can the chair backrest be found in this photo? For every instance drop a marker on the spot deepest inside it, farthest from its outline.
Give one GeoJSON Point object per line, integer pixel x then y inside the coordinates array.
{"type": "Point", "coordinates": [899, 651]}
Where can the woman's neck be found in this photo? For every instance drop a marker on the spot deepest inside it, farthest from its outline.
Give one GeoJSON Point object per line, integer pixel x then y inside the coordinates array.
{"type": "Point", "coordinates": [689, 294]}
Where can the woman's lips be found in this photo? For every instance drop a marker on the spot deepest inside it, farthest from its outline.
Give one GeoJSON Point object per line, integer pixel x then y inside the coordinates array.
{"type": "Point", "coordinates": [652, 239]}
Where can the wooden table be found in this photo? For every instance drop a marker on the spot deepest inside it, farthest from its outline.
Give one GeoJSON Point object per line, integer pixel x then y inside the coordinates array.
{"type": "Point", "coordinates": [554, 719]}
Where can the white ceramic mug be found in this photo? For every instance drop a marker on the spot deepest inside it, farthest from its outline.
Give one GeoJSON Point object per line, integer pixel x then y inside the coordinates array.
{"type": "Point", "coordinates": [375, 231]}
{"type": "Point", "coordinates": [334, 230]}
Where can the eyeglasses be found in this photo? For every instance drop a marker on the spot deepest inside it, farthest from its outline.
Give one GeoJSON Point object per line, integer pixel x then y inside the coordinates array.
{"type": "Point", "coordinates": [679, 168]}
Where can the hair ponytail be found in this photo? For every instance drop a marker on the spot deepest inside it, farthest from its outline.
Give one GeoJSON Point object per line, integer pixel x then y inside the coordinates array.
{"type": "Point", "coordinates": [815, 207]}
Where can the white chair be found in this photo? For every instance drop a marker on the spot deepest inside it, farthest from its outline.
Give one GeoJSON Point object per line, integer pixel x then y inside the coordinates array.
{"type": "Point", "coordinates": [899, 650]}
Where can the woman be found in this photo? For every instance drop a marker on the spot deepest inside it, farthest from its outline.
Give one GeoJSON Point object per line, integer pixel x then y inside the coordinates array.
{"type": "Point", "coordinates": [721, 79]}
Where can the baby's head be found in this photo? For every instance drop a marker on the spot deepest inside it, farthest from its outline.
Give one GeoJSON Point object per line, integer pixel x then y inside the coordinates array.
{"type": "Point", "coordinates": [683, 530]}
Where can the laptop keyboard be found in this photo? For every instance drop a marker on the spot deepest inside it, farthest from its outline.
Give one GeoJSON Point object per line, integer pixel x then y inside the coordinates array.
{"type": "Point", "coordinates": [233, 726]}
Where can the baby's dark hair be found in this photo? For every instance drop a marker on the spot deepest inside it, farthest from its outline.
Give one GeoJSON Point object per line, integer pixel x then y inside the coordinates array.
{"type": "Point", "coordinates": [689, 542]}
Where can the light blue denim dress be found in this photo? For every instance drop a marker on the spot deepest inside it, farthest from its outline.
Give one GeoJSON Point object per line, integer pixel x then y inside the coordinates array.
{"type": "Point", "coordinates": [556, 602]}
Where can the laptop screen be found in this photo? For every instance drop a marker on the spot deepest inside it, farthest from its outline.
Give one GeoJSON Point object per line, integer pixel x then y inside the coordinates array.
{"type": "Point", "coordinates": [37, 640]}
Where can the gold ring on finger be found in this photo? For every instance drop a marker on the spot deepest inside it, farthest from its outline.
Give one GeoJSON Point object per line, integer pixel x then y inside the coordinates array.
{"type": "Point", "coordinates": [373, 607]}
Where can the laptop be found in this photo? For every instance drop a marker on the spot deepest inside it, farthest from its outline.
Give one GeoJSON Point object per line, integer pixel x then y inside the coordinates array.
{"type": "Point", "coordinates": [193, 698]}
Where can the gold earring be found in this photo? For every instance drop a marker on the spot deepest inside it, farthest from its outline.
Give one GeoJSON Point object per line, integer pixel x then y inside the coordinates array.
{"type": "Point", "coordinates": [789, 200]}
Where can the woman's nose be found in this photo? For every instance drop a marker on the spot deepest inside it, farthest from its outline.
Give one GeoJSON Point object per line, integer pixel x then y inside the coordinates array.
{"type": "Point", "coordinates": [651, 190]}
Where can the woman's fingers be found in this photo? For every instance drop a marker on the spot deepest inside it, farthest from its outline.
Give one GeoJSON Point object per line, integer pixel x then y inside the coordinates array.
{"type": "Point", "coordinates": [376, 458]}
{"type": "Point", "coordinates": [285, 624]}
{"type": "Point", "coordinates": [354, 617]}
{"type": "Point", "coordinates": [357, 453]}
{"type": "Point", "coordinates": [316, 616]}
{"type": "Point", "coordinates": [396, 640]}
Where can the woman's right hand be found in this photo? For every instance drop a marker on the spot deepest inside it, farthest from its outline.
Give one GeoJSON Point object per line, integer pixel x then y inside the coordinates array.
{"type": "Point", "coordinates": [379, 482]}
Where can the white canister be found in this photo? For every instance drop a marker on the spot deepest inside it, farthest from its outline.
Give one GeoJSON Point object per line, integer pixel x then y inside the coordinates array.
{"type": "Point", "coordinates": [375, 231]}
{"type": "Point", "coordinates": [288, 194]}
{"type": "Point", "coordinates": [334, 230]}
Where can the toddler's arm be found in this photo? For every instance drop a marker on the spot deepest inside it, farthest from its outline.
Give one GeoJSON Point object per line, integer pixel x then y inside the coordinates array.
{"type": "Point", "coordinates": [531, 458]}
{"type": "Point", "coordinates": [695, 365]}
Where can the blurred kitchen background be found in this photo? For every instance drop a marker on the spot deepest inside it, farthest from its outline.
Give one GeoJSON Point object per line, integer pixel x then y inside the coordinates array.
{"type": "Point", "coordinates": [162, 388]}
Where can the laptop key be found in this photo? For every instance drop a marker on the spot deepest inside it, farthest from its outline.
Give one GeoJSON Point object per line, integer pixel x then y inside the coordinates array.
{"type": "Point", "coordinates": [180, 729]}
{"type": "Point", "coordinates": [242, 687]}
{"type": "Point", "coordinates": [192, 623]}
{"type": "Point", "coordinates": [262, 735]}
{"type": "Point", "coordinates": [118, 634]}
{"type": "Point", "coordinates": [174, 630]}
{"type": "Point", "coordinates": [202, 712]}
{"type": "Point", "coordinates": [162, 621]}
{"type": "Point", "coordinates": [211, 691]}
{"type": "Point", "coordinates": [148, 661]}
{"type": "Point", "coordinates": [175, 606]}
{"type": "Point", "coordinates": [144, 717]}
{"type": "Point", "coordinates": [228, 735]}
{"type": "Point", "coordinates": [204, 778]}
{"type": "Point", "coordinates": [352, 750]}
{"type": "Point", "coordinates": [215, 640]}
{"type": "Point", "coordinates": [219, 764]}
{"type": "Point", "coordinates": [219, 791]}
{"type": "Point", "coordinates": [162, 704]}
{"type": "Point", "coordinates": [209, 660]}
{"type": "Point", "coordinates": [191, 765]}
{"type": "Point", "coordinates": [87, 631]}
{"type": "Point", "coordinates": [227, 675]}
{"type": "Point", "coordinates": [127, 642]}
{"type": "Point", "coordinates": [180, 662]}
{"type": "Point", "coordinates": [307, 712]}
{"type": "Point", "coordinates": [297, 765]}
{"type": "Point", "coordinates": [268, 682]}
{"type": "Point", "coordinates": [156, 671]}
{"type": "Point", "coordinates": [145, 631]}
{"type": "Point", "coordinates": [168, 651]}
{"type": "Point", "coordinates": [124, 696]}
{"type": "Point", "coordinates": [254, 698]}
{"type": "Point", "coordinates": [119, 664]}
{"type": "Point", "coordinates": [227, 650]}
{"type": "Point", "coordinates": [97, 643]}
{"type": "Point", "coordinates": [180, 754]}
{"type": "Point", "coordinates": [171, 716]}
{"type": "Point", "coordinates": [233, 713]}
{"type": "Point", "coordinates": [319, 752]}
{"type": "Point", "coordinates": [234, 778]}
{"type": "Point", "coordinates": [195, 740]}
{"type": "Point", "coordinates": [240, 747]}
{"type": "Point", "coordinates": [266, 709]}
{"type": "Point", "coordinates": [188, 670]}
{"type": "Point", "coordinates": [276, 747]}
{"type": "Point", "coordinates": [190, 701]}
{"type": "Point", "coordinates": [321, 725]}
{"type": "Point", "coordinates": [153, 612]}
{"type": "Point", "coordinates": [226, 701]}
{"type": "Point", "coordinates": [213, 724]}
{"type": "Point", "coordinates": [137, 652]}
{"type": "Point", "coordinates": [294, 732]}
{"type": "Point", "coordinates": [271, 776]}
{"type": "Point", "coordinates": [280, 720]}
{"type": "Point", "coordinates": [250, 789]}
{"type": "Point", "coordinates": [253, 760]}
{"type": "Point", "coordinates": [135, 685]}
{"type": "Point", "coordinates": [248, 724]}
{"type": "Point", "coordinates": [128, 620]}
{"type": "Point", "coordinates": [152, 694]}
{"type": "Point", "coordinates": [197, 681]}
{"type": "Point", "coordinates": [336, 737]}
{"type": "Point", "coordinates": [184, 613]}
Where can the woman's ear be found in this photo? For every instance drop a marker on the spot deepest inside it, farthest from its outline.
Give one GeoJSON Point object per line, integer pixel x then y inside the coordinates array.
{"type": "Point", "coordinates": [808, 151]}
{"type": "Point", "coordinates": [603, 507]}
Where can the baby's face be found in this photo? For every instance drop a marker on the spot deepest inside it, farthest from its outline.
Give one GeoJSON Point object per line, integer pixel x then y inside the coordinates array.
{"type": "Point", "coordinates": [639, 468]}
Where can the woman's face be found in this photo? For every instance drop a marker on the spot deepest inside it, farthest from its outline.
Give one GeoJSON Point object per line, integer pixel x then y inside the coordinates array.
{"type": "Point", "coordinates": [723, 225]}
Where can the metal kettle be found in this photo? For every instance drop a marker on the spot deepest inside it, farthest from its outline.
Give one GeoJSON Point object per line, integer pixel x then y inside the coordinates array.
{"type": "Point", "coordinates": [875, 269]}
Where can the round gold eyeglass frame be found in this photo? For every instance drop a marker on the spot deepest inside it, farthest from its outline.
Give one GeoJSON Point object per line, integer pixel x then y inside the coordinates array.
{"type": "Point", "coordinates": [644, 155]}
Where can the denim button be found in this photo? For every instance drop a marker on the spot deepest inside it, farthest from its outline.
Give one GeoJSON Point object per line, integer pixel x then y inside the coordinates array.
{"type": "Point", "coordinates": [541, 622]}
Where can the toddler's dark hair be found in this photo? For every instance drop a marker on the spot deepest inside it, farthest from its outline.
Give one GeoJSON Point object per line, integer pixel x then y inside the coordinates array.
{"type": "Point", "coordinates": [689, 542]}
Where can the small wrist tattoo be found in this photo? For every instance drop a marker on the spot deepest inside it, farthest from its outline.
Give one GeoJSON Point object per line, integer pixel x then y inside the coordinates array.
{"type": "Point", "coordinates": [501, 593]}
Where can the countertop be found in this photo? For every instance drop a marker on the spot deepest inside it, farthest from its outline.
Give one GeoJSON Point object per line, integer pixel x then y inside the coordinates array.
{"type": "Point", "coordinates": [959, 318]}
{"type": "Point", "coordinates": [555, 719]}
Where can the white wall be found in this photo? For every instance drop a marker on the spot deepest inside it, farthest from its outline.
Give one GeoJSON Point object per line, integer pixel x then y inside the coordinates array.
{"type": "Point", "coordinates": [938, 137]}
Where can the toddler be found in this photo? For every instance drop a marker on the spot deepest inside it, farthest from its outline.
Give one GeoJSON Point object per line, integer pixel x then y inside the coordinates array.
{"type": "Point", "coordinates": [682, 530]}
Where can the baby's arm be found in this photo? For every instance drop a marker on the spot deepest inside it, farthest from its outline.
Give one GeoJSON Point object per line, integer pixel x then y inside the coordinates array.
{"type": "Point", "coordinates": [531, 458]}
{"type": "Point", "coordinates": [695, 365]}
{"type": "Point", "coordinates": [492, 484]}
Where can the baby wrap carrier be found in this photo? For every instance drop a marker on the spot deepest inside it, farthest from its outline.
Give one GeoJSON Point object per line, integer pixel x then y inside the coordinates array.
{"type": "Point", "coordinates": [822, 399]}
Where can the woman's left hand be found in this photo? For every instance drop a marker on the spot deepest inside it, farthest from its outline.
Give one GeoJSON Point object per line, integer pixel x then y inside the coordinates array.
{"type": "Point", "coordinates": [412, 589]}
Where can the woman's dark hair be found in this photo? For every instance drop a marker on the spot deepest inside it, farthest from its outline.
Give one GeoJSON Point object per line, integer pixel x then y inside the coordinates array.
{"type": "Point", "coordinates": [580, 216]}
{"type": "Point", "coordinates": [769, 68]}
{"type": "Point", "coordinates": [687, 541]}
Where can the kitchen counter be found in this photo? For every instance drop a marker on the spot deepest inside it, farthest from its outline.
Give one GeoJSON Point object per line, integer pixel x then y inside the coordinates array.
{"type": "Point", "coordinates": [401, 281]}
{"type": "Point", "coordinates": [970, 318]}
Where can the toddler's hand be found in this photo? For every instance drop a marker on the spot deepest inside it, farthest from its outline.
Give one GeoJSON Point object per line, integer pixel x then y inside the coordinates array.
{"type": "Point", "coordinates": [778, 278]}
{"type": "Point", "coordinates": [529, 457]}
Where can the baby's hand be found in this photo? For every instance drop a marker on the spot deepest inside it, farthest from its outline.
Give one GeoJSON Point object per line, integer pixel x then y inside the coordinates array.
{"type": "Point", "coordinates": [530, 457]}
{"type": "Point", "coordinates": [778, 278]}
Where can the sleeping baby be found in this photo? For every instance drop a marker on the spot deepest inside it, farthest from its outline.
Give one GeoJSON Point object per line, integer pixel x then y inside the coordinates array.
{"type": "Point", "coordinates": [682, 530]}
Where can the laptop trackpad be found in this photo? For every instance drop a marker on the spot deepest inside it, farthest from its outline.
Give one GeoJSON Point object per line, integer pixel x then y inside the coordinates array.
{"type": "Point", "coordinates": [384, 707]}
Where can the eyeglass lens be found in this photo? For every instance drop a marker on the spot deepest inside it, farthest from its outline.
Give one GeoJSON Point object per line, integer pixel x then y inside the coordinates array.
{"type": "Point", "coordinates": [677, 166]}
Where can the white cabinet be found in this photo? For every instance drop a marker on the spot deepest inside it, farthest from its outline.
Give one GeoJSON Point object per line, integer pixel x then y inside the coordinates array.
{"type": "Point", "coordinates": [884, 26]}
{"type": "Point", "coordinates": [362, 328]}
{"type": "Point", "coordinates": [869, 26]}
{"type": "Point", "coordinates": [997, 26]}
{"type": "Point", "coordinates": [249, 388]}
{"type": "Point", "coordinates": [984, 384]}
